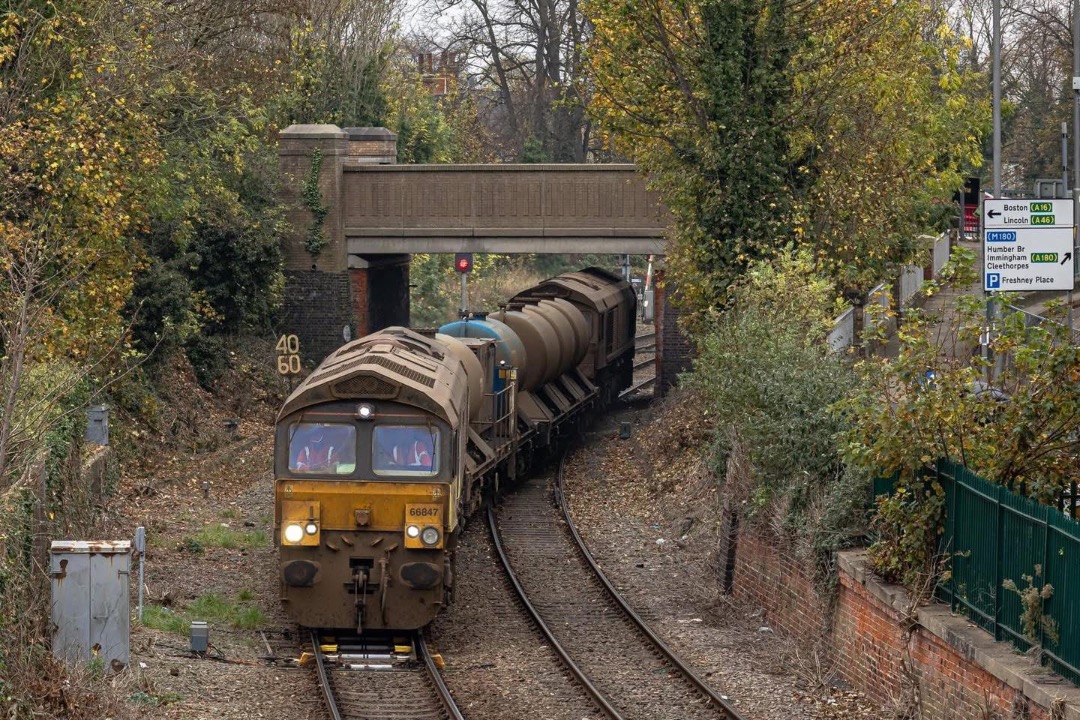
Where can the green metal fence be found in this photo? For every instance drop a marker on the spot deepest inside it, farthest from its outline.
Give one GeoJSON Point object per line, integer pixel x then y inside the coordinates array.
{"type": "Point", "coordinates": [993, 535]}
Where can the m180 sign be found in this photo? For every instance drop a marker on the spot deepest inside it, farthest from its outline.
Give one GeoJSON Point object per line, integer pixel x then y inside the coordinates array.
{"type": "Point", "coordinates": [1028, 245]}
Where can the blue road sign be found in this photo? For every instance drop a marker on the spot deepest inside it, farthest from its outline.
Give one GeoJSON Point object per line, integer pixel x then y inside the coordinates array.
{"type": "Point", "coordinates": [1000, 236]}
{"type": "Point", "coordinates": [993, 281]}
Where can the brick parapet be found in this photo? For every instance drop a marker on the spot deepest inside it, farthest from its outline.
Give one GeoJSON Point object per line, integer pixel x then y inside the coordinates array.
{"type": "Point", "coordinates": [878, 643]}
{"type": "Point", "coordinates": [296, 145]}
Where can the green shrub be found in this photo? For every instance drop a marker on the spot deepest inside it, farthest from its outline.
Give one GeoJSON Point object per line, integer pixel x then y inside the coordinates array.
{"type": "Point", "coordinates": [769, 380]}
{"type": "Point", "coordinates": [209, 358]}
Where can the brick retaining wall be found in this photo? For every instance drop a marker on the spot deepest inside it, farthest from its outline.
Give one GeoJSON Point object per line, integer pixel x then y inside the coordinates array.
{"type": "Point", "coordinates": [318, 306]}
{"type": "Point", "coordinates": [961, 673]}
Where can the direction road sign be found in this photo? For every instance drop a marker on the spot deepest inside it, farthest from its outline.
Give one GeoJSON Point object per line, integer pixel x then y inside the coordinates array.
{"type": "Point", "coordinates": [999, 213]}
{"type": "Point", "coordinates": [1028, 258]}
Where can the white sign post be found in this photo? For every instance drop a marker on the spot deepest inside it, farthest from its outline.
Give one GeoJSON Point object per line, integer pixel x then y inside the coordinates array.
{"type": "Point", "coordinates": [1027, 245]}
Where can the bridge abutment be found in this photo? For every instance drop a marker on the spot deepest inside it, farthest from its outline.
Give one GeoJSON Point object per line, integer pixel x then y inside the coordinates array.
{"type": "Point", "coordinates": [380, 291]}
{"type": "Point", "coordinates": [674, 350]}
{"type": "Point", "coordinates": [331, 296]}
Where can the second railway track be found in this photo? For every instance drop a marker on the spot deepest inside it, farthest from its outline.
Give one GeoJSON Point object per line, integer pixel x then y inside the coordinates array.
{"type": "Point", "coordinates": [634, 673]}
{"type": "Point", "coordinates": [367, 682]}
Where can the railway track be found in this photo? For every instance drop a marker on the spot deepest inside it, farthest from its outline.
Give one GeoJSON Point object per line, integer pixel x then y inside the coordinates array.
{"type": "Point", "coordinates": [643, 344]}
{"type": "Point", "coordinates": [630, 672]}
{"type": "Point", "coordinates": [365, 680]}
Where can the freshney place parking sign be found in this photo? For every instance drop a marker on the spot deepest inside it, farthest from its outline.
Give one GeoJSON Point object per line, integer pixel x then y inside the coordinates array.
{"type": "Point", "coordinates": [1028, 245]}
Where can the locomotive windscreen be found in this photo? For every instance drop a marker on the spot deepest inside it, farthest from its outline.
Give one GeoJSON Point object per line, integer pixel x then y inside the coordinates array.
{"type": "Point", "coordinates": [405, 450]}
{"type": "Point", "coordinates": [322, 448]}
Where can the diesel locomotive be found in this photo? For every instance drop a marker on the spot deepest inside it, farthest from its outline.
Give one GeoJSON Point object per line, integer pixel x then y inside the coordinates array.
{"type": "Point", "coordinates": [388, 446]}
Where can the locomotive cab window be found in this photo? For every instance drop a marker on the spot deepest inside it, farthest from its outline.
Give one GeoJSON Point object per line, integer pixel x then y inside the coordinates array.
{"type": "Point", "coordinates": [405, 450]}
{"type": "Point", "coordinates": [322, 448]}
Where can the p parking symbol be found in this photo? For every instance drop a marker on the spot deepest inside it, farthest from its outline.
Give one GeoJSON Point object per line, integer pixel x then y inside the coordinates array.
{"type": "Point", "coordinates": [993, 281]}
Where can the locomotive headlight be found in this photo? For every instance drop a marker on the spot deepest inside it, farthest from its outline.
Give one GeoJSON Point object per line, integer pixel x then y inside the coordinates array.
{"type": "Point", "coordinates": [412, 531]}
{"type": "Point", "coordinates": [365, 411]}
{"type": "Point", "coordinates": [294, 533]}
{"type": "Point", "coordinates": [311, 528]}
{"type": "Point", "coordinates": [430, 536]}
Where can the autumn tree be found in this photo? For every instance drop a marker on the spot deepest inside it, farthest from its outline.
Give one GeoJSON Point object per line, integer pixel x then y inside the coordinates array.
{"type": "Point", "coordinates": [762, 121]}
{"type": "Point", "coordinates": [889, 122]}
{"type": "Point", "coordinates": [527, 57]}
{"type": "Point", "coordinates": [68, 199]}
{"type": "Point", "coordinates": [699, 92]}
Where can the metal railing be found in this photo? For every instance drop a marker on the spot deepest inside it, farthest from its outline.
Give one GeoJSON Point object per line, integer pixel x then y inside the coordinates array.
{"type": "Point", "coordinates": [1034, 320]}
{"type": "Point", "coordinates": [993, 535]}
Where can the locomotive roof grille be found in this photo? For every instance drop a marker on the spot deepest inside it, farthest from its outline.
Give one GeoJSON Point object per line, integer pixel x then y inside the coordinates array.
{"type": "Point", "coordinates": [336, 369]}
{"type": "Point", "coordinates": [373, 359]}
{"type": "Point", "coordinates": [400, 369]}
{"type": "Point", "coordinates": [365, 386]}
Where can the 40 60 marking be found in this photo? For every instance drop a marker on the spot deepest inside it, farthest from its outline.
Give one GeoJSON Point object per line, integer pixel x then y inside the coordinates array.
{"type": "Point", "coordinates": [288, 360]}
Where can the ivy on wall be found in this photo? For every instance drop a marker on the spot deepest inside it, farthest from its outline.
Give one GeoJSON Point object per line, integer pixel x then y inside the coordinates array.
{"type": "Point", "coordinates": [313, 201]}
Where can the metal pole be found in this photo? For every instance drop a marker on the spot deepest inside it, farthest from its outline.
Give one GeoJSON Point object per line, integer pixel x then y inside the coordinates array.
{"type": "Point", "coordinates": [1076, 97]}
{"type": "Point", "coordinates": [1076, 145]}
{"type": "Point", "coordinates": [996, 52]}
{"type": "Point", "coordinates": [464, 294]}
{"type": "Point", "coordinates": [140, 548]}
{"type": "Point", "coordinates": [1064, 160]}
{"type": "Point", "coordinates": [997, 98]}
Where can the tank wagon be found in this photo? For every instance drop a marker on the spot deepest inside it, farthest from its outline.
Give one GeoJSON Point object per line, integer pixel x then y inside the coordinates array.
{"type": "Point", "coordinates": [384, 451]}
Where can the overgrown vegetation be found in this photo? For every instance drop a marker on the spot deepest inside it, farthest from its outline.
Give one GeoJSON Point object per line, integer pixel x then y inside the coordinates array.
{"type": "Point", "coordinates": [933, 401]}
{"type": "Point", "coordinates": [436, 287]}
{"type": "Point", "coordinates": [769, 380]}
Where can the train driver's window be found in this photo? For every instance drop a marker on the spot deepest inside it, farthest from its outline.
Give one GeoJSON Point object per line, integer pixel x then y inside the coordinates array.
{"type": "Point", "coordinates": [405, 450]}
{"type": "Point", "coordinates": [322, 448]}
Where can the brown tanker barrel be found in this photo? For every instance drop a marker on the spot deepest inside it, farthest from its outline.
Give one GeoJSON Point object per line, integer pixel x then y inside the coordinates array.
{"type": "Point", "coordinates": [539, 347]}
{"type": "Point", "coordinates": [577, 320]}
{"type": "Point", "coordinates": [474, 373]}
{"type": "Point", "coordinates": [563, 341]}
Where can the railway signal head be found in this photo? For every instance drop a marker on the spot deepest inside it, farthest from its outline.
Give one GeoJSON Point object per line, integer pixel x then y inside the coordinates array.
{"type": "Point", "coordinates": [463, 262]}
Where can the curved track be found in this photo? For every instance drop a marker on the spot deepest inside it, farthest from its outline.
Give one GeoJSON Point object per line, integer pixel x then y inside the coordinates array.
{"type": "Point", "coordinates": [415, 691]}
{"type": "Point", "coordinates": [633, 673]}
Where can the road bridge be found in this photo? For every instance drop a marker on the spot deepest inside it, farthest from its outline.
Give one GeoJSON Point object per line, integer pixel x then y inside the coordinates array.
{"type": "Point", "coordinates": [356, 217]}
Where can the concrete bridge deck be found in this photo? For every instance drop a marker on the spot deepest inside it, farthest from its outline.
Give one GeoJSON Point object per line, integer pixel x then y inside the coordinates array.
{"type": "Point", "coordinates": [499, 209]}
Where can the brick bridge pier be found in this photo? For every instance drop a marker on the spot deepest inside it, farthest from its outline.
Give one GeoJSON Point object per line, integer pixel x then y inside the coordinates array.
{"type": "Point", "coordinates": [348, 274]}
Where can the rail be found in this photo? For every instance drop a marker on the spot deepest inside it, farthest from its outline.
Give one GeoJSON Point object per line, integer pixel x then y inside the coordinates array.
{"type": "Point", "coordinates": [436, 678]}
{"type": "Point", "coordinates": [324, 677]}
{"type": "Point", "coordinates": [640, 385]}
{"type": "Point", "coordinates": [447, 707]}
{"type": "Point", "coordinates": [583, 549]}
{"type": "Point", "coordinates": [576, 671]}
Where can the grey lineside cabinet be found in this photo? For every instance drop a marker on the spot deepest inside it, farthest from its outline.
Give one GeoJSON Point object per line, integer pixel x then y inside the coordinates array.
{"type": "Point", "coordinates": [91, 615]}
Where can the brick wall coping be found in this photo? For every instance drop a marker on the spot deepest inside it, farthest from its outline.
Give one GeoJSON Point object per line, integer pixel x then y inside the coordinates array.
{"type": "Point", "coordinates": [1000, 659]}
{"type": "Point", "coordinates": [526, 168]}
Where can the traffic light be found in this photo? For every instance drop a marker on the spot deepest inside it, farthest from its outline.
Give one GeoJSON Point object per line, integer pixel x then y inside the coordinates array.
{"type": "Point", "coordinates": [463, 262]}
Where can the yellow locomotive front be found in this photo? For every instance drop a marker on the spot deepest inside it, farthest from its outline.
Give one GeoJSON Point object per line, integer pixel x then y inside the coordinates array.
{"type": "Point", "coordinates": [369, 464]}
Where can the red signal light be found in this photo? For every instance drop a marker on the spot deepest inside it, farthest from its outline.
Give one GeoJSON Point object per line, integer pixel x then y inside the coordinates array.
{"type": "Point", "coordinates": [463, 262]}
